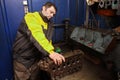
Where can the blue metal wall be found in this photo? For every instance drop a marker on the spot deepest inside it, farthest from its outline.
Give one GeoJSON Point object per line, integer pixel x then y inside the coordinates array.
{"type": "Point", "coordinates": [5, 66]}
{"type": "Point", "coordinates": [11, 14]}
{"type": "Point", "coordinates": [77, 12]}
{"type": "Point", "coordinates": [36, 5]}
{"type": "Point", "coordinates": [62, 13]}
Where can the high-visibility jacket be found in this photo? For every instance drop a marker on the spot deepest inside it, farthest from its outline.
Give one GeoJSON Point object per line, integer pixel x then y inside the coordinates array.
{"type": "Point", "coordinates": [33, 39]}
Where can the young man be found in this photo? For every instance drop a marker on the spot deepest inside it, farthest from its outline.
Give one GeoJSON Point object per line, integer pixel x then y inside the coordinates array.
{"type": "Point", "coordinates": [33, 42]}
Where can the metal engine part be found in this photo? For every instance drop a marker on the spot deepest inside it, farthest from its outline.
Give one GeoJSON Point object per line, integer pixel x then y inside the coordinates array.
{"type": "Point", "coordinates": [98, 40]}
{"type": "Point", "coordinates": [72, 64]}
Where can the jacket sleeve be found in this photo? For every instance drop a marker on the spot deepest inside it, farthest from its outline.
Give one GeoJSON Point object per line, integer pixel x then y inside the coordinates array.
{"type": "Point", "coordinates": [37, 32]}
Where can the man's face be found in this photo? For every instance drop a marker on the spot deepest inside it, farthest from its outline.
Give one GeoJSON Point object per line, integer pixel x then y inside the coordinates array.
{"type": "Point", "coordinates": [49, 12]}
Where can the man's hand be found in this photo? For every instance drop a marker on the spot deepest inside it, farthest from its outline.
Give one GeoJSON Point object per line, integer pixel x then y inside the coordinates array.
{"type": "Point", "coordinates": [117, 29]}
{"type": "Point", "coordinates": [57, 58]}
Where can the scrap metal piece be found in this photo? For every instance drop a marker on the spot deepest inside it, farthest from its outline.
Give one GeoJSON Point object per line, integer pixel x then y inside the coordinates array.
{"type": "Point", "coordinates": [72, 64]}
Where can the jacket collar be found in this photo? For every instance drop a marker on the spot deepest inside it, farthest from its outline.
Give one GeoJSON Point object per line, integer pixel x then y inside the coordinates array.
{"type": "Point", "coordinates": [44, 18]}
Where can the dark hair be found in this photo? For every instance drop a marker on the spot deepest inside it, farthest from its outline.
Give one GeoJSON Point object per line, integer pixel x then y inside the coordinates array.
{"type": "Point", "coordinates": [49, 4]}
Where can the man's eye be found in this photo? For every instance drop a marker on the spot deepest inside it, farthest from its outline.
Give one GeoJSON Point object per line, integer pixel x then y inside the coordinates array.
{"type": "Point", "coordinates": [51, 12]}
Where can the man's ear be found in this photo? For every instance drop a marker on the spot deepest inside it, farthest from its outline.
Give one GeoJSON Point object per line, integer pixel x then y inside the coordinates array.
{"type": "Point", "coordinates": [43, 8]}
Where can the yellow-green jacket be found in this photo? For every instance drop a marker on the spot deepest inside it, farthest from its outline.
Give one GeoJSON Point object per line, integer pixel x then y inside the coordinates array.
{"type": "Point", "coordinates": [33, 39]}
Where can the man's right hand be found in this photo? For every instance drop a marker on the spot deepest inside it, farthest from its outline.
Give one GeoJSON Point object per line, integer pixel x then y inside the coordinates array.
{"type": "Point", "coordinates": [117, 29]}
{"type": "Point", "coordinates": [57, 58]}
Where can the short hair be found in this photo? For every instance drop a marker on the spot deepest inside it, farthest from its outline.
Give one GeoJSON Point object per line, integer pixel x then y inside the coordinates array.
{"type": "Point", "coordinates": [49, 4]}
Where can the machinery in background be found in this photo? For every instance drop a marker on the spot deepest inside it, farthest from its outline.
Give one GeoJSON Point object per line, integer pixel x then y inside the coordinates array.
{"type": "Point", "coordinates": [99, 40]}
{"type": "Point", "coordinates": [94, 41]}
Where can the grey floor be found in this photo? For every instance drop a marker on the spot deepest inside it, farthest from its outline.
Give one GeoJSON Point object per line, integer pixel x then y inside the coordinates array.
{"type": "Point", "coordinates": [90, 71]}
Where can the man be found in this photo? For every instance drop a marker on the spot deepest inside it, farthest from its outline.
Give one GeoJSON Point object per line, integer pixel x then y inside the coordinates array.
{"type": "Point", "coordinates": [115, 54]}
{"type": "Point", "coordinates": [33, 42]}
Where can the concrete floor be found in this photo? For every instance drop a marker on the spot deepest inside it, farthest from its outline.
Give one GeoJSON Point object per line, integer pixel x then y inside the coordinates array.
{"type": "Point", "coordinates": [90, 71]}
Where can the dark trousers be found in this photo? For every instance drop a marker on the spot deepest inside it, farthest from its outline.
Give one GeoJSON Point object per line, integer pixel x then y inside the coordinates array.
{"type": "Point", "coordinates": [114, 56]}
{"type": "Point", "coordinates": [33, 73]}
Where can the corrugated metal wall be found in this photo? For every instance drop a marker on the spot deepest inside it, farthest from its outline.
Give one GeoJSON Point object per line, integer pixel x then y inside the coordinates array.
{"type": "Point", "coordinates": [11, 14]}
{"type": "Point", "coordinates": [77, 12]}
{"type": "Point", "coordinates": [5, 66]}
